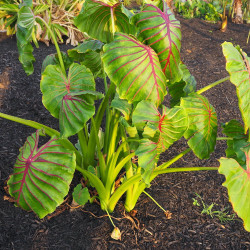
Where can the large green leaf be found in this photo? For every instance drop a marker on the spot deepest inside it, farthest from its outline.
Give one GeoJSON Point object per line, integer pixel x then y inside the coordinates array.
{"type": "Point", "coordinates": [234, 129]}
{"type": "Point", "coordinates": [89, 45]}
{"type": "Point", "coordinates": [88, 54]}
{"type": "Point", "coordinates": [238, 140]}
{"type": "Point", "coordinates": [52, 59]}
{"type": "Point", "coordinates": [160, 132]}
{"type": "Point", "coordinates": [202, 130]}
{"type": "Point", "coordinates": [238, 66]}
{"type": "Point", "coordinates": [169, 126]}
{"type": "Point", "coordinates": [161, 31]}
{"type": "Point", "coordinates": [96, 20]}
{"type": "Point", "coordinates": [148, 157]}
{"type": "Point", "coordinates": [42, 175]}
{"type": "Point", "coordinates": [25, 25]}
{"type": "Point", "coordinates": [183, 87]}
{"type": "Point", "coordinates": [238, 185]}
{"type": "Point", "coordinates": [69, 98]}
{"type": "Point", "coordinates": [135, 69]}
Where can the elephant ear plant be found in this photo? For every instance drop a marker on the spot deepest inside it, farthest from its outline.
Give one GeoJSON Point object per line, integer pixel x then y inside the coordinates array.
{"type": "Point", "coordinates": [140, 53]}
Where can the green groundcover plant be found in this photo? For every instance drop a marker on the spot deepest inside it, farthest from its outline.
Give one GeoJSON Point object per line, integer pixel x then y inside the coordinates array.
{"type": "Point", "coordinates": [209, 11]}
{"type": "Point", "coordinates": [140, 53]}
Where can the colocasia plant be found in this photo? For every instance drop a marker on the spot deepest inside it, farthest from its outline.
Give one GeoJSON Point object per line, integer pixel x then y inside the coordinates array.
{"type": "Point", "coordinates": [139, 51]}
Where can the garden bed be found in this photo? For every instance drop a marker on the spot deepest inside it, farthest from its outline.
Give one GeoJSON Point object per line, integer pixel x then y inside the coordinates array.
{"type": "Point", "coordinates": [89, 229]}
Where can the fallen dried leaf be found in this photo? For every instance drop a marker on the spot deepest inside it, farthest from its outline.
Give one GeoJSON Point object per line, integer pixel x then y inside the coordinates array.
{"type": "Point", "coordinates": [116, 234]}
{"type": "Point", "coordinates": [168, 214]}
{"type": "Point", "coordinates": [8, 198]}
{"type": "Point", "coordinates": [133, 213]}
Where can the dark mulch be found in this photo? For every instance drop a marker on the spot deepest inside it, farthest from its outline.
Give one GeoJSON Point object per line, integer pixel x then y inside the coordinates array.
{"type": "Point", "coordinates": [187, 228]}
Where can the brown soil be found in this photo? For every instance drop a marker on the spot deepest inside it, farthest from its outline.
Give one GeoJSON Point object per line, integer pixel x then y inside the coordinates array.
{"type": "Point", "coordinates": [187, 228]}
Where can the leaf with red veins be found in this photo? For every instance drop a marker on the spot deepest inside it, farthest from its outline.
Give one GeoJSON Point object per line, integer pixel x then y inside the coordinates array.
{"type": "Point", "coordinates": [238, 185]}
{"type": "Point", "coordinates": [202, 129]}
{"type": "Point", "coordinates": [238, 66]}
{"type": "Point", "coordinates": [160, 131]}
{"type": "Point", "coordinates": [161, 31]}
{"type": "Point", "coordinates": [135, 69]}
{"type": "Point", "coordinates": [42, 175]}
{"type": "Point", "coordinates": [76, 110]}
{"type": "Point", "coordinates": [96, 20]}
{"type": "Point", "coordinates": [147, 158]}
{"type": "Point", "coordinates": [170, 125]}
{"type": "Point", "coordinates": [69, 98]}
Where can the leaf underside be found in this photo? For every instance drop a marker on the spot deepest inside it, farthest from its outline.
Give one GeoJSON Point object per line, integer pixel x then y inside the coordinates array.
{"type": "Point", "coordinates": [238, 66]}
{"type": "Point", "coordinates": [96, 20]}
{"type": "Point", "coordinates": [42, 175]}
{"type": "Point", "coordinates": [202, 130]}
{"type": "Point", "coordinates": [135, 69]}
{"type": "Point", "coordinates": [238, 185]}
{"type": "Point", "coordinates": [238, 141]}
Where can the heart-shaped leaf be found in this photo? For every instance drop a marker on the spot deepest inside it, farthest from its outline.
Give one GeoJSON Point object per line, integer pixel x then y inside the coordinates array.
{"type": "Point", "coordinates": [88, 54]}
{"type": "Point", "coordinates": [161, 131]}
{"type": "Point", "coordinates": [69, 98]}
{"type": "Point", "coordinates": [238, 66]}
{"type": "Point", "coordinates": [78, 52]}
{"type": "Point", "coordinates": [238, 185]}
{"type": "Point", "coordinates": [202, 130]}
{"type": "Point", "coordinates": [92, 60]}
{"type": "Point", "coordinates": [238, 140]}
{"type": "Point", "coordinates": [170, 125]}
{"type": "Point", "coordinates": [52, 59]}
{"type": "Point", "coordinates": [96, 20]}
{"type": "Point", "coordinates": [135, 69]}
{"type": "Point", "coordinates": [182, 88]}
{"type": "Point", "coordinates": [76, 109]}
{"type": "Point", "coordinates": [25, 25]}
{"type": "Point", "coordinates": [234, 129]}
{"type": "Point", "coordinates": [42, 175]}
{"type": "Point", "coordinates": [161, 31]}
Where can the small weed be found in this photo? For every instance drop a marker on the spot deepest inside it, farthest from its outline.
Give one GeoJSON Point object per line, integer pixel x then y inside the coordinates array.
{"type": "Point", "coordinates": [222, 215]}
